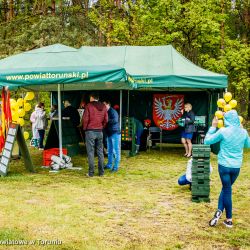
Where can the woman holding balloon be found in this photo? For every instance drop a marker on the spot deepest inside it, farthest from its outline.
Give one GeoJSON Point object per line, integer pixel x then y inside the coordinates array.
{"type": "Point", "coordinates": [232, 138]}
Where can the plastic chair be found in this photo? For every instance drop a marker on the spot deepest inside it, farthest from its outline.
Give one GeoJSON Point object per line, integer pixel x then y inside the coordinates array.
{"type": "Point", "coordinates": [155, 134]}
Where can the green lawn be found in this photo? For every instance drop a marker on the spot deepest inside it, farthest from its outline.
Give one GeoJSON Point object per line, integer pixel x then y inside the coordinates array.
{"type": "Point", "coordinates": [140, 207]}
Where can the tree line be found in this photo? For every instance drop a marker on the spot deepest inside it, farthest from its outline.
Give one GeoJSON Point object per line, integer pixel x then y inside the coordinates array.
{"type": "Point", "coordinates": [213, 34]}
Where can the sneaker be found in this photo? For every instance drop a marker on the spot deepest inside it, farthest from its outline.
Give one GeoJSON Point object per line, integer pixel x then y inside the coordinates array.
{"type": "Point", "coordinates": [41, 148]}
{"type": "Point", "coordinates": [213, 222]}
{"type": "Point", "coordinates": [89, 176]}
{"type": "Point", "coordinates": [228, 223]}
{"type": "Point", "coordinates": [114, 170]}
{"type": "Point", "coordinates": [107, 167]}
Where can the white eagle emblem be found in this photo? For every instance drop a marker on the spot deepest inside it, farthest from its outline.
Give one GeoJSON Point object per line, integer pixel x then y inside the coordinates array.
{"type": "Point", "coordinates": [168, 113]}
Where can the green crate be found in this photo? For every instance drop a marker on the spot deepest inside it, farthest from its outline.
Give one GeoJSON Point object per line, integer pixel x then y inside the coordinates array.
{"type": "Point", "coordinates": [204, 171]}
{"type": "Point", "coordinates": [200, 182]}
{"type": "Point", "coordinates": [200, 199]}
{"type": "Point", "coordinates": [200, 176]}
{"type": "Point", "coordinates": [199, 161]}
{"type": "Point", "coordinates": [201, 150]}
{"type": "Point", "coordinates": [73, 149]}
{"type": "Point", "coordinates": [128, 133]}
{"type": "Point", "coordinates": [200, 189]}
{"type": "Point", "coordinates": [198, 192]}
{"type": "Point", "coordinates": [204, 146]}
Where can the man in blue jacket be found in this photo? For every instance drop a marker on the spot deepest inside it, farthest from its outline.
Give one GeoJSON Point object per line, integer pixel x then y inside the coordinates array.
{"type": "Point", "coordinates": [113, 138]}
{"type": "Point", "coordinates": [233, 138]}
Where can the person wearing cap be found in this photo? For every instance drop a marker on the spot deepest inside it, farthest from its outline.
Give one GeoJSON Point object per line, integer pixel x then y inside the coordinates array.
{"type": "Point", "coordinates": [145, 135]}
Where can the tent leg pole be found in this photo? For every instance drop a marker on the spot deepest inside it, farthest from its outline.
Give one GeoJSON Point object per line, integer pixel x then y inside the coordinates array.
{"type": "Point", "coordinates": [51, 99]}
{"type": "Point", "coordinates": [60, 119]}
{"type": "Point", "coordinates": [120, 109]}
{"type": "Point", "coordinates": [120, 119]}
{"type": "Point", "coordinates": [128, 105]}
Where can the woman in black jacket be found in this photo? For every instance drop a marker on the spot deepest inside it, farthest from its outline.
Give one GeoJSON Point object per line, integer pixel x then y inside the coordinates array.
{"type": "Point", "coordinates": [189, 129]}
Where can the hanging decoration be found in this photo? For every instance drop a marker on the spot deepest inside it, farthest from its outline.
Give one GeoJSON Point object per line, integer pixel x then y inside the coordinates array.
{"type": "Point", "coordinates": [6, 117]}
{"type": "Point", "coordinates": [167, 110]}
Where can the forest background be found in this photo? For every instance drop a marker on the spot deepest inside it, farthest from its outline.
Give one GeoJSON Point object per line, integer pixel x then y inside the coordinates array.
{"type": "Point", "coordinates": [213, 34]}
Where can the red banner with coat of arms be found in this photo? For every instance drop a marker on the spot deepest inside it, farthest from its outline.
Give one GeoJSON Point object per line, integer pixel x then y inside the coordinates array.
{"type": "Point", "coordinates": [167, 110]}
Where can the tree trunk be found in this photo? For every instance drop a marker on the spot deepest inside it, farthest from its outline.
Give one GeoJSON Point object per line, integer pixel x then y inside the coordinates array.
{"type": "Point", "coordinates": [5, 10]}
{"type": "Point", "coordinates": [86, 7]}
{"type": "Point", "coordinates": [222, 26]}
{"type": "Point", "coordinates": [11, 9]}
{"type": "Point", "coordinates": [53, 7]}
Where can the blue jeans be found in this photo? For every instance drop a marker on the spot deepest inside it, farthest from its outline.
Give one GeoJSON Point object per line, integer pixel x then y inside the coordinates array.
{"type": "Point", "coordinates": [114, 151]}
{"type": "Point", "coordinates": [183, 180]}
{"type": "Point", "coordinates": [228, 176]}
{"type": "Point", "coordinates": [41, 137]}
{"type": "Point", "coordinates": [138, 136]}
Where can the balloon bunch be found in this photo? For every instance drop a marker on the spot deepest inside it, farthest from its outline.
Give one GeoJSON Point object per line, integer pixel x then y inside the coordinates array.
{"type": "Point", "coordinates": [18, 109]}
{"type": "Point", "coordinates": [225, 104]}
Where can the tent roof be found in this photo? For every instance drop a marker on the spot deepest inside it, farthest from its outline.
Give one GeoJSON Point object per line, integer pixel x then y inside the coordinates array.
{"type": "Point", "coordinates": [59, 64]}
{"type": "Point", "coordinates": [147, 67]}
{"type": "Point", "coordinates": [157, 67]}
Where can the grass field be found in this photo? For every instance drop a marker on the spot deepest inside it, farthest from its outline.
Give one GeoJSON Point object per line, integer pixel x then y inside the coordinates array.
{"type": "Point", "coordinates": [140, 207]}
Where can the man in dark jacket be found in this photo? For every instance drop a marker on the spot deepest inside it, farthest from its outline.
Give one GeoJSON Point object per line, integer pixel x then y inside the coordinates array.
{"type": "Point", "coordinates": [95, 118]}
{"type": "Point", "coordinates": [71, 112]}
{"type": "Point", "coordinates": [114, 138]}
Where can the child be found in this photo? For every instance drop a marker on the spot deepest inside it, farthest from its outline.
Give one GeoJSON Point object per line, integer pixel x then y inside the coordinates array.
{"type": "Point", "coordinates": [34, 142]}
{"type": "Point", "coordinates": [145, 134]}
{"type": "Point", "coordinates": [187, 178]}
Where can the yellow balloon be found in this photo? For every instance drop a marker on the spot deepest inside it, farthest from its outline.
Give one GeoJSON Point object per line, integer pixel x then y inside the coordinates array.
{"type": "Point", "coordinates": [219, 114]}
{"type": "Point", "coordinates": [241, 118]}
{"type": "Point", "coordinates": [20, 102]}
{"type": "Point", "coordinates": [20, 121]}
{"type": "Point", "coordinates": [227, 107]}
{"type": "Point", "coordinates": [12, 101]}
{"type": "Point", "coordinates": [227, 96]}
{"type": "Point", "coordinates": [233, 103]}
{"type": "Point", "coordinates": [15, 116]}
{"type": "Point", "coordinates": [29, 96]}
{"type": "Point", "coordinates": [21, 112]}
{"type": "Point", "coordinates": [14, 106]}
{"type": "Point", "coordinates": [221, 103]}
{"type": "Point", "coordinates": [27, 106]}
{"type": "Point", "coordinates": [220, 124]}
{"type": "Point", "coordinates": [26, 135]}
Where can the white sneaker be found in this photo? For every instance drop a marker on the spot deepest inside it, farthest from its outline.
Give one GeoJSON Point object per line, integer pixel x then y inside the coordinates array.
{"type": "Point", "coordinates": [213, 222]}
